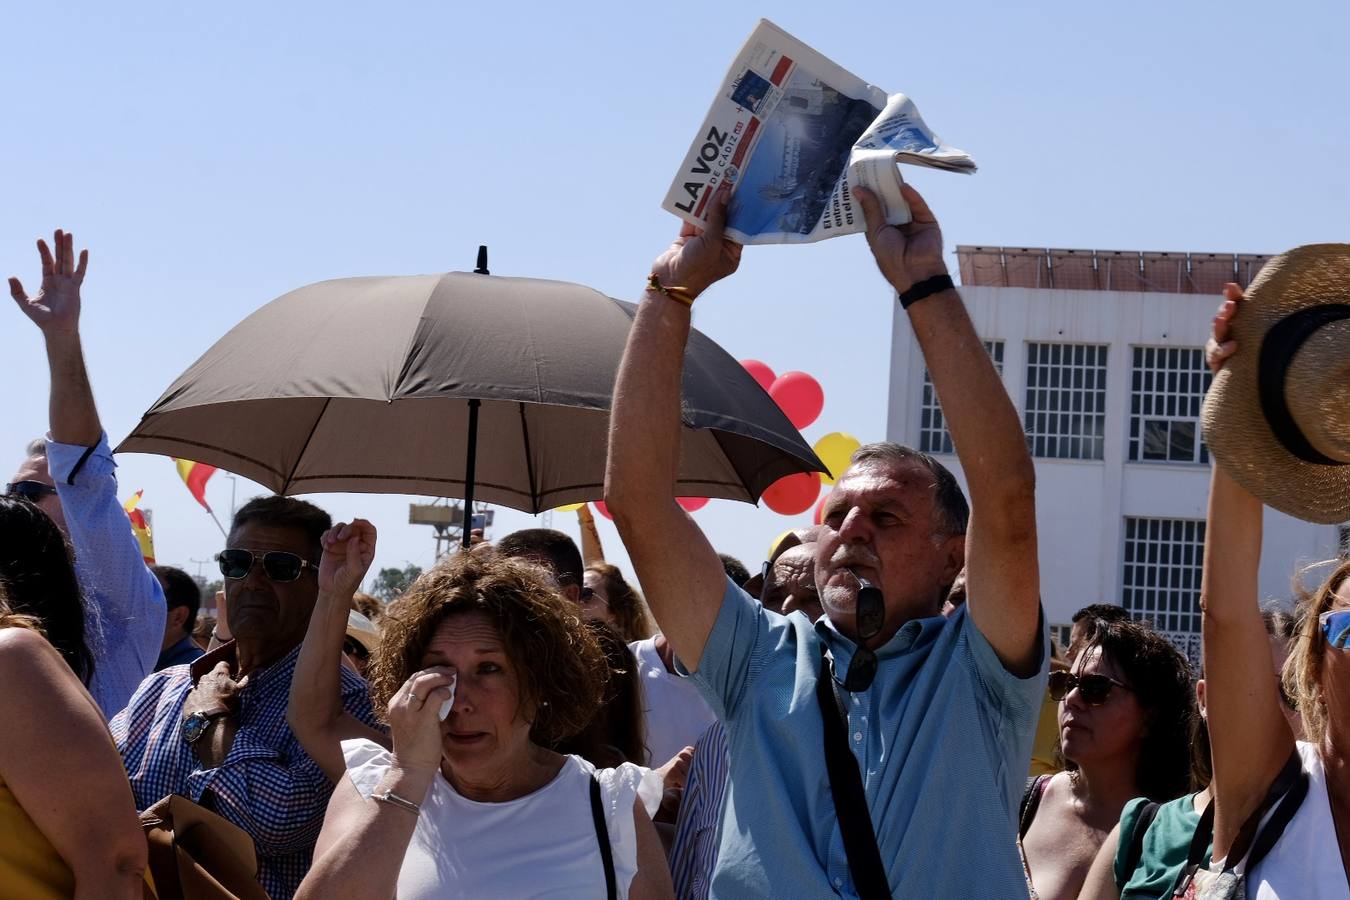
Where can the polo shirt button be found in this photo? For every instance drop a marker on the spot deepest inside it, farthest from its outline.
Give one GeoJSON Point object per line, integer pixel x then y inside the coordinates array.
{"type": "Point", "coordinates": [838, 882]}
{"type": "Point", "coordinates": [857, 736]}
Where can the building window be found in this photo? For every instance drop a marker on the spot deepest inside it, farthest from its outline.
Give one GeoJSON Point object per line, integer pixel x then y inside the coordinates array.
{"type": "Point", "coordinates": [1162, 577]}
{"type": "Point", "coordinates": [933, 434]}
{"type": "Point", "coordinates": [1065, 414]}
{"type": "Point", "coordinates": [1167, 390]}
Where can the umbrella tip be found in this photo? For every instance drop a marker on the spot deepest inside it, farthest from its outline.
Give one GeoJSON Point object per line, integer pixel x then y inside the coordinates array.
{"type": "Point", "coordinates": [482, 268]}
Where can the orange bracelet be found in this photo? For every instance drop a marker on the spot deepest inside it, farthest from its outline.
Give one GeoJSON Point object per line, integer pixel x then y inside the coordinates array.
{"type": "Point", "coordinates": [678, 294]}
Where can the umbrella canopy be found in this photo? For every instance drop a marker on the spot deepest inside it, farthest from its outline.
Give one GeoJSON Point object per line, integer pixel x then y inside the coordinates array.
{"type": "Point", "coordinates": [367, 384]}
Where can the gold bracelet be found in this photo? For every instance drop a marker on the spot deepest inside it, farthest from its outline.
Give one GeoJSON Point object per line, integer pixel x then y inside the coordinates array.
{"type": "Point", "coordinates": [678, 294]}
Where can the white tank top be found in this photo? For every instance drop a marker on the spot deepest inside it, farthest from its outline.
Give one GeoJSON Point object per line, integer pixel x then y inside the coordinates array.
{"type": "Point", "coordinates": [540, 845]}
{"type": "Point", "coordinates": [1305, 864]}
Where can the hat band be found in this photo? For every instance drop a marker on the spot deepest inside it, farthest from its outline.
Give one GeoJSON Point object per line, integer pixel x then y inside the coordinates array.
{"type": "Point", "coordinates": [1281, 342]}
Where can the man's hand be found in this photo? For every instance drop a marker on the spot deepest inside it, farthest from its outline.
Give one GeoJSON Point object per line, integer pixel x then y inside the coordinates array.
{"type": "Point", "coordinates": [348, 551]}
{"type": "Point", "coordinates": [215, 690]}
{"type": "Point", "coordinates": [56, 308]}
{"type": "Point", "coordinates": [1220, 346]}
{"type": "Point", "coordinates": [906, 254]}
{"type": "Point", "coordinates": [698, 258]}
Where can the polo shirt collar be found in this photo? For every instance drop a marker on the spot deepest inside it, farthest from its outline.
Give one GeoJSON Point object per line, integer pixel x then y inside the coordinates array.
{"type": "Point", "coordinates": [913, 635]}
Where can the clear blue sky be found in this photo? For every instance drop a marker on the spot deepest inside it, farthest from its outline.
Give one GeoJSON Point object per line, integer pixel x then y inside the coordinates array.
{"type": "Point", "coordinates": [213, 158]}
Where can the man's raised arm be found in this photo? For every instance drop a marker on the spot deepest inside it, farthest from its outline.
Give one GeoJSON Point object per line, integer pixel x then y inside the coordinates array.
{"type": "Point", "coordinates": [680, 573]}
{"type": "Point", "coordinates": [1002, 574]}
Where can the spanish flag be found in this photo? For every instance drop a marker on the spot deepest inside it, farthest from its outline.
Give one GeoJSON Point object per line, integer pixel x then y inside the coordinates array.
{"type": "Point", "coordinates": [195, 475]}
{"type": "Point", "coordinates": [140, 526]}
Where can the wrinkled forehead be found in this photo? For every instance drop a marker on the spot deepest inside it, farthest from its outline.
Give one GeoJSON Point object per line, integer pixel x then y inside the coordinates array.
{"type": "Point", "coordinates": [875, 482]}
{"type": "Point", "coordinates": [259, 536]}
{"type": "Point", "coordinates": [34, 468]}
{"type": "Point", "coordinates": [464, 629]}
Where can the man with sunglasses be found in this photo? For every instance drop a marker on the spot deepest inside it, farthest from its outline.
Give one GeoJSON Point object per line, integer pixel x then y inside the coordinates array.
{"type": "Point", "coordinates": [881, 751]}
{"type": "Point", "coordinates": [216, 731]}
{"type": "Point", "coordinates": [70, 476]}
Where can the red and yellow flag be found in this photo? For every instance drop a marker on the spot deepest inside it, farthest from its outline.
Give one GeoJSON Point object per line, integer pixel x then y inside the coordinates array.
{"type": "Point", "coordinates": [195, 475]}
{"type": "Point", "coordinates": [140, 526]}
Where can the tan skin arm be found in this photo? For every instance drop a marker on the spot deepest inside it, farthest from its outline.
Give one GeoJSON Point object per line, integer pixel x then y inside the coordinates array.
{"type": "Point", "coordinates": [591, 551]}
{"type": "Point", "coordinates": [678, 568]}
{"type": "Point", "coordinates": [1001, 561]}
{"type": "Point", "coordinates": [84, 805]}
{"type": "Point", "coordinates": [1248, 733]}
{"type": "Point", "coordinates": [1100, 883]}
{"type": "Point", "coordinates": [652, 881]}
{"type": "Point", "coordinates": [315, 712]}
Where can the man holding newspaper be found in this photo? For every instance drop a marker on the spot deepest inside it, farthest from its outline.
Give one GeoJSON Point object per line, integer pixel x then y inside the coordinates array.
{"type": "Point", "coordinates": [900, 775]}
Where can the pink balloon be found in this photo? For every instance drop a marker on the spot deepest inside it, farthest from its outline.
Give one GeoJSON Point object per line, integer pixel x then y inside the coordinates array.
{"type": "Point", "coordinates": [799, 396]}
{"type": "Point", "coordinates": [692, 504]}
{"type": "Point", "coordinates": [760, 372]}
{"type": "Point", "coordinates": [792, 495]}
{"type": "Point", "coordinates": [602, 509]}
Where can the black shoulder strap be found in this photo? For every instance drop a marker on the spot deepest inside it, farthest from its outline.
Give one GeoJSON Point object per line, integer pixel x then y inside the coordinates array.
{"type": "Point", "coordinates": [1031, 801]}
{"type": "Point", "coordinates": [846, 786]}
{"type": "Point", "coordinates": [602, 836]}
{"type": "Point", "coordinates": [1135, 852]}
{"type": "Point", "coordinates": [1280, 819]}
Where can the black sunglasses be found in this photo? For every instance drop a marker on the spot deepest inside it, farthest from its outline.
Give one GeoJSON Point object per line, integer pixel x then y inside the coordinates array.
{"type": "Point", "coordinates": [278, 565]}
{"type": "Point", "coordinates": [32, 491]}
{"type": "Point", "coordinates": [871, 614]}
{"type": "Point", "coordinates": [1094, 688]}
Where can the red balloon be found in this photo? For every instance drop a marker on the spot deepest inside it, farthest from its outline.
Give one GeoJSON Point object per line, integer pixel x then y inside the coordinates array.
{"type": "Point", "coordinates": [799, 396]}
{"type": "Point", "coordinates": [692, 504]}
{"type": "Point", "coordinates": [760, 371]}
{"type": "Point", "coordinates": [602, 509]}
{"type": "Point", "coordinates": [792, 495]}
{"type": "Point", "coordinates": [819, 517]}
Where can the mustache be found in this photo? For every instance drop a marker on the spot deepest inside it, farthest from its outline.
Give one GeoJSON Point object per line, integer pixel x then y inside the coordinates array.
{"type": "Point", "coordinates": [854, 556]}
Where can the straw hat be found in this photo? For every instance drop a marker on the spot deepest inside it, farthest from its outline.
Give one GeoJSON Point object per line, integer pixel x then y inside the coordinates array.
{"type": "Point", "coordinates": [363, 631]}
{"type": "Point", "coordinates": [1277, 417]}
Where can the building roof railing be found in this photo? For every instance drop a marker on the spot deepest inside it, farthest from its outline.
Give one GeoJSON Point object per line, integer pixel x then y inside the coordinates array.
{"type": "Point", "coordinates": [1106, 270]}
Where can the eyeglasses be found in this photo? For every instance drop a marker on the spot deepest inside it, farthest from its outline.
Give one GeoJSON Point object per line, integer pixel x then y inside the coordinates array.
{"type": "Point", "coordinates": [871, 614]}
{"type": "Point", "coordinates": [32, 491]}
{"type": "Point", "coordinates": [1335, 625]}
{"type": "Point", "coordinates": [278, 565]}
{"type": "Point", "coordinates": [1094, 688]}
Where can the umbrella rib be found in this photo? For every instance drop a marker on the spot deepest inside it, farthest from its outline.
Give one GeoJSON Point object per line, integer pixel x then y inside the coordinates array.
{"type": "Point", "coordinates": [529, 457]}
{"type": "Point", "coordinates": [309, 437]}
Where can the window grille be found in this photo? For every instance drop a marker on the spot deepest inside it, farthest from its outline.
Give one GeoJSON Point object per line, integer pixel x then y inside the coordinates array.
{"type": "Point", "coordinates": [1065, 413]}
{"type": "Point", "coordinates": [1161, 580]}
{"type": "Point", "coordinates": [933, 434]}
{"type": "Point", "coordinates": [1167, 390]}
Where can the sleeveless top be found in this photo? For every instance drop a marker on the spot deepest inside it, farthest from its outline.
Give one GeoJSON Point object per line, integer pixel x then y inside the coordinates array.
{"type": "Point", "coordinates": [1305, 864]}
{"type": "Point", "coordinates": [30, 867]}
{"type": "Point", "coordinates": [539, 845]}
{"type": "Point", "coordinates": [1162, 856]}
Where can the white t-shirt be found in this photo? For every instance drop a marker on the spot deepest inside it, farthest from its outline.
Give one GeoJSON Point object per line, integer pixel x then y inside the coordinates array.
{"type": "Point", "coordinates": [676, 713]}
{"type": "Point", "coordinates": [1305, 864]}
{"type": "Point", "coordinates": [540, 845]}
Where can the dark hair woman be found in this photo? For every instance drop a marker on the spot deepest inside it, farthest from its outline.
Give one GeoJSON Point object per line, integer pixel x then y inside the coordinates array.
{"type": "Point", "coordinates": [610, 598]}
{"type": "Point", "coordinates": [616, 733]}
{"type": "Point", "coordinates": [1125, 715]}
{"type": "Point", "coordinates": [482, 666]}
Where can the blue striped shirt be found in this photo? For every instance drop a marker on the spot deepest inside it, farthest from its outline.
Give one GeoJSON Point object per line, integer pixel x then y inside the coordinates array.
{"type": "Point", "coordinates": [267, 785]}
{"type": "Point", "coordinates": [694, 851]}
{"type": "Point", "coordinates": [942, 738]}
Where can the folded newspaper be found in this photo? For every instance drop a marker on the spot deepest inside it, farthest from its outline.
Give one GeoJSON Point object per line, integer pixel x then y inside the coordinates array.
{"type": "Point", "coordinates": [794, 133]}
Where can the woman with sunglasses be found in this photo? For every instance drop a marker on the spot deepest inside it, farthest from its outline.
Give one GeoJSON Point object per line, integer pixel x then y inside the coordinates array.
{"type": "Point", "coordinates": [1125, 710]}
{"type": "Point", "coordinates": [482, 667]}
{"type": "Point", "coordinates": [1251, 738]}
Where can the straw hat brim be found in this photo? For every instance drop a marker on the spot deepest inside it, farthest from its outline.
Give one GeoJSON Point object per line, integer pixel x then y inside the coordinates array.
{"type": "Point", "coordinates": [1235, 428]}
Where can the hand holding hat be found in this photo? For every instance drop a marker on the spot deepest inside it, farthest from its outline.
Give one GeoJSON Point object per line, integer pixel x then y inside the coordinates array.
{"type": "Point", "coordinates": [1277, 417]}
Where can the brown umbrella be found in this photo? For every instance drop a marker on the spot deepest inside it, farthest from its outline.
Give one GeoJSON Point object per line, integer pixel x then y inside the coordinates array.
{"type": "Point", "coordinates": [460, 385]}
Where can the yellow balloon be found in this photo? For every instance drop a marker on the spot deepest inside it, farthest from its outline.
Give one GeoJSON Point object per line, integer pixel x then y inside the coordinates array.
{"type": "Point", "coordinates": [570, 507]}
{"type": "Point", "coordinates": [834, 450]}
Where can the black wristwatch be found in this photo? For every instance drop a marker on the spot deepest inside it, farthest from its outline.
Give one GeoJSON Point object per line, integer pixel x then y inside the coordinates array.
{"type": "Point", "coordinates": [196, 724]}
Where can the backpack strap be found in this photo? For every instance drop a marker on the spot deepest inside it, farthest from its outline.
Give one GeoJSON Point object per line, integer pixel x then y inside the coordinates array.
{"type": "Point", "coordinates": [846, 787]}
{"type": "Point", "coordinates": [602, 836]}
{"type": "Point", "coordinates": [1031, 801]}
{"type": "Point", "coordinates": [1135, 848]}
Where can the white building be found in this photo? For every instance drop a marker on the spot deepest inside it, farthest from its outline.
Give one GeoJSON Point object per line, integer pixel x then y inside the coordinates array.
{"type": "Point", "coordinates": [1102, 355]}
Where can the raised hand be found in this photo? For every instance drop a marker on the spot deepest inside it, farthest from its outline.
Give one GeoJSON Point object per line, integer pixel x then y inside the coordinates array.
{"type": "Point", "coordinates": [699, 257]}
{"type": "Point", "coordinates": [906, 254]}
{"type": "Point", "coordinates": [1220, 346]}
{"type": "Point", "coordinates": [414, 718]}
{"type": "Point", "coordinates": [348, 551]}
{"type": "Point", "coordinates": [56, 308]}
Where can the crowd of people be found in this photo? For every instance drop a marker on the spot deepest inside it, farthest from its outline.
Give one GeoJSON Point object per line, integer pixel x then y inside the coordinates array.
{"type": "Point", "coordinates": [878, 712]}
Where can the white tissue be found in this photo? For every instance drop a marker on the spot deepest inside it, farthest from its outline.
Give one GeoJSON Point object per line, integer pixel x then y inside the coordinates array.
{"type": "Point", "coordinates": [445, 707]}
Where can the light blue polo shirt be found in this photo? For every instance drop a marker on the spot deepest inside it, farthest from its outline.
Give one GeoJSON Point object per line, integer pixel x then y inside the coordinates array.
{"type": "Point", "coordinates": [943, 739]}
